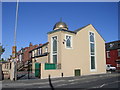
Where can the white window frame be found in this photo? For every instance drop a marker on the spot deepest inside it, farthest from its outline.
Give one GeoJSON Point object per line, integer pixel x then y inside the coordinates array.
{"type": "Point", "coordinates": [51, 61]}
{"type": "Point", "coordinates": [107, 54]}
{"type": "Point", "coordinates": [71, 41]}
{"type": "Point", "coordinates": [40, 51]}
{"type": "Point", "coordinates": [118, 52]}
{"type": "Point", "coordinates": [46, 49]}
{"type": "Point", "coordinates": [92, 70]}
{"type": "Point", "coordinates": [33, 54]}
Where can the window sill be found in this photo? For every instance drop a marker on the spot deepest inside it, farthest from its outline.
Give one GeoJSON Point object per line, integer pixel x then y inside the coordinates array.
{"type": "Point", "coordinates": [68, 47]}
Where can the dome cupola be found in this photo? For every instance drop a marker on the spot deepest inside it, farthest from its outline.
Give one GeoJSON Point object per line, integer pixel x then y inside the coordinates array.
{"type": "Point", "coordinates": [60, 25]}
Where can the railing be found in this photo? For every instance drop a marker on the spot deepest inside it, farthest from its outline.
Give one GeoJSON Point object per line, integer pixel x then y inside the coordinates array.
{"type": "Point", "coordinates": [51, 66]}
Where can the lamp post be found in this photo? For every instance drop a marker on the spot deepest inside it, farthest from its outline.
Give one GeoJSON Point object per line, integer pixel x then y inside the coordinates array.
{"type": "Point", "coordinates": [13, 75]}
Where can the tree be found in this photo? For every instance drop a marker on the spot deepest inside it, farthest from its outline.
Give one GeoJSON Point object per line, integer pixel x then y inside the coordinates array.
{"type": "Point", "coordinates": [2, 50]}
{"type": "Point", "coordinates": [2, 60]}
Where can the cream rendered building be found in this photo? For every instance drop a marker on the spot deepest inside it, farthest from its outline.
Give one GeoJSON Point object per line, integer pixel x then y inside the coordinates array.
{"type": "Point", "coordinates": [70, 53]}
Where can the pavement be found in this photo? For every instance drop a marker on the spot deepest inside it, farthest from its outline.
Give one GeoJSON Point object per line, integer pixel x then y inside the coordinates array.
{"type": "Point", "coordinates": [109, 80]}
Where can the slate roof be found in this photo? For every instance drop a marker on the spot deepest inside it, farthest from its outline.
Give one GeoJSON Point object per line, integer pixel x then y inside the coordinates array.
{"type": "Point", "coordinates": [112, 45]}
{"type": "Point", "coordinates": [75, 31]}
{"type": "Point", "coordinates": [39, 46]}
{"type": "Point", "coordinates": [61, 30]}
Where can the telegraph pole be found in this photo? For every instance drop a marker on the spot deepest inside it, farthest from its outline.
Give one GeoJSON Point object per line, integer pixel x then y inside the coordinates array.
{"type": "Point", "coordinates": [13, 75]}
{"type": "Point", "coordinates": [14, 48]}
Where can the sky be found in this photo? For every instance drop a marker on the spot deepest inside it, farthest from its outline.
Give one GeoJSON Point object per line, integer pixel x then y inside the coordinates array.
{"type": "Point", "coordinates": [35, 19]}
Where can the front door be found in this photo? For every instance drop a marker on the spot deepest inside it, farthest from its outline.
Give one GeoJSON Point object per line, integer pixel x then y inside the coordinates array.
{"type": "Point", "coordinates": [37, 69]}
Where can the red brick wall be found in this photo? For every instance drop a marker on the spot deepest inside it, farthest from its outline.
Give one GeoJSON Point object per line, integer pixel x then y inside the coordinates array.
{"type": "Point", "coordinates": [113, 58]}
{"type": "Point", "coordinates": [26, 54]}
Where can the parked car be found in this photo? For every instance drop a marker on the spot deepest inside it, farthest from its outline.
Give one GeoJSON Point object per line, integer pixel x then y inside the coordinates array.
{"type": "Point", "coordinates": [109, 67]}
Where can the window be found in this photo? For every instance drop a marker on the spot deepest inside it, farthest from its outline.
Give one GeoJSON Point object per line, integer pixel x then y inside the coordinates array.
{"type": "Point", "coordinates": [92, 62]}
{"type": "Point", "coordinates": [92, 51]}
{"type": "Point", "coordinates": [38, 51]}
{"type": "Point", "coordinates": [92, 48]}
{"type": "Point", "coordinates": [118, 63]}
{"type": "Point", "coordinates": [33, 54]}
{"type": "Point", "coordinates": [118, 52]}
{"type": "Point", "coordinates": [108, 54]}
{"type": "Point", "coordinates": [46, 49]}
{"type": "Point", "coordinates": [111, 45]}
{"type": "Point", "coordinates": [68, 41]}
{"type": "Point", "coordinates": [54, 49]}
{"type": "Point", "coordinates": [91, 37]}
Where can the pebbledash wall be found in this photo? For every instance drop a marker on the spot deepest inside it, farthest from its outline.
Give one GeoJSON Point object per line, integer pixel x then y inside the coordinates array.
{"type": "Point", "coordinates": [78, 57]}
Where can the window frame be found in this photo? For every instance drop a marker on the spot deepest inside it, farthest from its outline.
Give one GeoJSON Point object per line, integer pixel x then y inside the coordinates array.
{"type": "Point", "coordinates": [71, 47]}
{"type": "Point", "coordinates": [92, 70]}
{"type": "Point", "coordinates": [51, 61]}
{"type": "Point", "coordinates": [108, 56]}
{"type": "Point", "coordinates": [46, 49]}
{"type": "Point", "coordinates": [118, 52]}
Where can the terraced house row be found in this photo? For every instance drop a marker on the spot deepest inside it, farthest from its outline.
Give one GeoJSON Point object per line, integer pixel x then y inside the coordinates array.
{"type": "Point", "coordinates": [70, 53]}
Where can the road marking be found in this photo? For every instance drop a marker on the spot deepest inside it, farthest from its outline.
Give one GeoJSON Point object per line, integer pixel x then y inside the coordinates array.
{"type": "Point", "coordinates": [71, 80]}
{"type": "Point", "coordinates": [44, 87]}
{"type": "Point", "coordinates": [74, 83]}
{"type": "Point", "coordinates": [109, 83]}
{"type": "Point", "coordinates": [37, 83]}
{"type": "Point", "coordinates": [57, 81]}
{"type": "Point", "coordinates": [61, 85]}
{"type": "Point", "coordinates": [102, 85]}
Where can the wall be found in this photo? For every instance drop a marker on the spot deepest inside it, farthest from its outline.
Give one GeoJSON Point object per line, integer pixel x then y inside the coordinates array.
{"type": "Point", "coordinates": [33, 65]}
{"type": "Point", "coordinates": [82, 42]}
{"type": "Point", "coordinates": [58, 34]}
{"type": "Point", "coordinates": [78, 57]}
{"type": "Point", "coordinates": [43, 59]}
{"type": "Point", "coordinates": [52, 73]}
{"type": "Point", "coordinates": [113, 58]}
{"type": "Point", "coordinates": [6, 70]}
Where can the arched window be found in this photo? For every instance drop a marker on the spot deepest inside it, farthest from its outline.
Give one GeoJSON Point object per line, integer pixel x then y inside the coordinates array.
{"type": "Point", "coordinates": [91, 37]}
{"type": "Point", "coordinates": [54, 49]}
{"type": "Point", "coordinates": [68, 41]}
{"type": "Point", "coordinates": [54, 45]}
{"type": "Point", "coordinates": [92, 51]}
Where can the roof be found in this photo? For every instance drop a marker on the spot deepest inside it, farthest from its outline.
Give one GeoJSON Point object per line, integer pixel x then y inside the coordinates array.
{"type": "Point", "coordinates": [59, 25]}
{"type": "Point", "coordinates": [39, 46]}
{"type": "Point", "coordinates": [44, 54]}
{"type": "Point", "coordinates": [80, 28]}
{"type": "Point", "coordinates": [75, 31]}
{"type": "Point", "coordinates": [113, 45]}
{"type": "Point", "coordinates": [61, 30]}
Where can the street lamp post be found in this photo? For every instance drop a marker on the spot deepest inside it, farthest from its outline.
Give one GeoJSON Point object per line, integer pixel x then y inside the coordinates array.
{"type": "Point", "coordinates": [14, 51]}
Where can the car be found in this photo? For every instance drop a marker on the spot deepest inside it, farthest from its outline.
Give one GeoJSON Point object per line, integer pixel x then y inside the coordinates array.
{"type": "Point", "coordinates": [109, 67]}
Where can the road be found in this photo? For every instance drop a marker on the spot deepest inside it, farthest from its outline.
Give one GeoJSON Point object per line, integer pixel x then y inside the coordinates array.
{"type": "Point", "coordinates": [111, 80]}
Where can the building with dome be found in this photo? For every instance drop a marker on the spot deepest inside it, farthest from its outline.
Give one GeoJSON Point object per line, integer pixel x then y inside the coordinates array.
{"type": "Point", "coordinates": [70, 53]}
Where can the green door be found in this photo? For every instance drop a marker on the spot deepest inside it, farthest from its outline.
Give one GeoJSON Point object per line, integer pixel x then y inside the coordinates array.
{"type": "Point", "coordinates": [37, 69]}
{"type": "Point", "coordinates": [77, 72]}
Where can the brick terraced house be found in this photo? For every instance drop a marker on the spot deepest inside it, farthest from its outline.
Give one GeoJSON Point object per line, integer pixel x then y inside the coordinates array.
{"type": "Point", "coordinates": [113, 54]}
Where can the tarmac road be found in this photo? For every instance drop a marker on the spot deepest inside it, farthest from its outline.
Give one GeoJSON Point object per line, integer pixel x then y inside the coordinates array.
{"type": "Point", "coordinates": [111, 80]}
